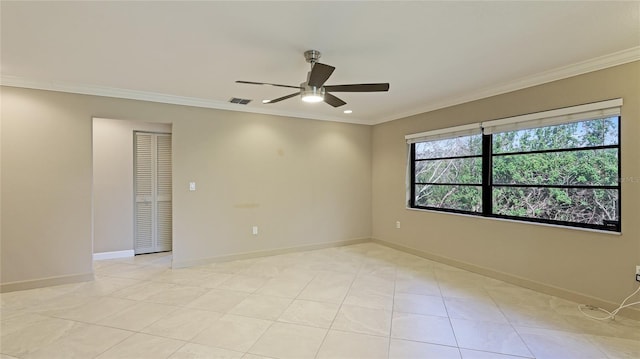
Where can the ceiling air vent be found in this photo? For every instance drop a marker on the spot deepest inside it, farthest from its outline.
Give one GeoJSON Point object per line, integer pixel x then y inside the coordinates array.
{"type": "Point", "coordinates": [239, 101]}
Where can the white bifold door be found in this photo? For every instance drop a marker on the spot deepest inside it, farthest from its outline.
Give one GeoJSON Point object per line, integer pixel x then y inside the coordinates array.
{"type": "Point", "coordinates": [152, 189]}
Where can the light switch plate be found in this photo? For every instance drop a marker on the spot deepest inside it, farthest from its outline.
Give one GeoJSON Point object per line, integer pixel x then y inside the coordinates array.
{"type": "Point", "coordinates": [192, 186]}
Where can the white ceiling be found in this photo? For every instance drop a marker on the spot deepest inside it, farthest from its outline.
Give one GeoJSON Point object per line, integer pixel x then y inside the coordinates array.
{"type": "Point", "coordinates": [433, 54]}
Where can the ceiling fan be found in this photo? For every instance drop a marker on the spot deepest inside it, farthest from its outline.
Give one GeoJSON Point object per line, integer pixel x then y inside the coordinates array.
{"type": "Point", "coordinates": [314, 89]}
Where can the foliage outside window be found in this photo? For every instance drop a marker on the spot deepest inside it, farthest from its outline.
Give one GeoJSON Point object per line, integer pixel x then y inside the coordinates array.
{"type": "Point", "coordinates": [564, 174]}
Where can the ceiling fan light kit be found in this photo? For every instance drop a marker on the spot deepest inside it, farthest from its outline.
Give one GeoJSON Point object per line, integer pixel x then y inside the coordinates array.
{"type": "Point", "coordinates": [311, 93]}
{"type": "Point", "coordinates": [314, 90]}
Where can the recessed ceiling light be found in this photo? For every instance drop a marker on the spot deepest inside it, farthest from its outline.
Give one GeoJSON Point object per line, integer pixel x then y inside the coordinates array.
{"type": "Point", "coordinates": [266, 101]}
{"type": "Point", "coordinates": [347, 111]}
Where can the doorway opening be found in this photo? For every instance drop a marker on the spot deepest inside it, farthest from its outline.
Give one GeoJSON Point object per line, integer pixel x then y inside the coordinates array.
{"type": "Point", "coordinates": [114, 200]}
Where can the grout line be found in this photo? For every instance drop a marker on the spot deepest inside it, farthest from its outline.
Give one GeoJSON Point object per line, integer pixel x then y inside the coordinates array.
{"type": "Point", "coordinates": [393, 305]}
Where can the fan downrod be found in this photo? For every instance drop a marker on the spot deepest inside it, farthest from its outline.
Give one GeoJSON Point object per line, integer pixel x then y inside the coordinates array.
{"type": "Point", "coordinates": [312, 56]}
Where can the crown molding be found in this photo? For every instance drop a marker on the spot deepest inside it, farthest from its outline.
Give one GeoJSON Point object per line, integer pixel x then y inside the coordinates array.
{"type": "Point", "coordinates": [14, 81]}
{"type": "Point", "coordinates": [579, 68]}
{"type": "Point", "coordinates": [598, 63]}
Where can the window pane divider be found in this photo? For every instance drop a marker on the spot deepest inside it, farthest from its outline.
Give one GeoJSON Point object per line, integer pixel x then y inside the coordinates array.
{"type": "Point", "coordinates": [521, 185]}
{"type": "Point", "coordinates": [573, 149]}
{"type": "Point", "coordinates": [447, 158]}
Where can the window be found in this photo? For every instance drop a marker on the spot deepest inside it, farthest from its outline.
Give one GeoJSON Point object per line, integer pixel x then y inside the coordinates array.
{"type": "Point", "coordinates": [557, 167]}
{"type": "Point", "coordinates": [448, 174]}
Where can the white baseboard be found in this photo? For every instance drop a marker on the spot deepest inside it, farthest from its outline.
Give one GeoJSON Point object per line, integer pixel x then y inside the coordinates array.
{"type": "Point", "coordinates": [45, 282]}
{"type": "Point", "coordinates": [265, 253]}
{"type": "Point", "coordinates": [113, 255]}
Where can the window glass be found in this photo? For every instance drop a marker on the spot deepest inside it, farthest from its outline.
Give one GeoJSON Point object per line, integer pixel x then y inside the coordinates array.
{"type": "Point", "coordinates": [601, 132]}
{"type": "Point", "coordinates": [577, 205]}
{"type": "Point", "coordinates": [451, 147]}
{"type": "Point", "coordinates": [462, 198]}
{"type": "Point", "coordinates": [578, 167]}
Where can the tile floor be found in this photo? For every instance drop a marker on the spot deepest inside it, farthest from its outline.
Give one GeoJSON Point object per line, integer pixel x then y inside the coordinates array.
{"type": "Point", "coordinates": [360, 301]}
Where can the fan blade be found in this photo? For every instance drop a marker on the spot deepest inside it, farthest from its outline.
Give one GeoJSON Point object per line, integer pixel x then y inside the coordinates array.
{"type": "Point", "coordinates": [283, 97]}
{"type": "Point", "coordinates": [319, 74]}
{"type": "Point", "coordinates": [332, 100]}
{"type": "Point", "coordinates": [266, 83]}
{"type": "Point", "coordinates": [358, 87]}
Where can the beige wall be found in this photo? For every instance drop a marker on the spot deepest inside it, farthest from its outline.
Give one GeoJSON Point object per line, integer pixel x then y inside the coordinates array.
{"type": "Point", "coordinates": [595, 264]}
{"type": "Point", "coordinates": [302, 182]}
{"type": "Point", "coordinates": [113, 181]}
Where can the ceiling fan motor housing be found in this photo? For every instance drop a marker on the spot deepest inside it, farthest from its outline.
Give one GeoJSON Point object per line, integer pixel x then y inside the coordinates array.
{"type": "Point", "coordinates": [312, 56]}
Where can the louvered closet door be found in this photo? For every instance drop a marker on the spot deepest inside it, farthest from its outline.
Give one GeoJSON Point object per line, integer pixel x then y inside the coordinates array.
{"type": "Point", "coordinates": [152, 174]}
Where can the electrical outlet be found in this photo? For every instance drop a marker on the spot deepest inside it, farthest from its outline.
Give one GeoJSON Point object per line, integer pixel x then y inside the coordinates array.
{"type": "Point", "coordinates": [637, 273]}
{"type": "Point", "coordinates": [397, 224]}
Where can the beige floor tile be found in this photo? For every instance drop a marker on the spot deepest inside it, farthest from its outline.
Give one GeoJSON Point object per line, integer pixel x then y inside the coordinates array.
{"type": "Point", "coordinates": [143, 290]}
{"type": "Point", "coordinates": [233, 332]}
{"type": "Point", "coordinates": [378, 269]}
{"type": "Point", "coordinates": [316, 314]}
{"type": "Point", "coordinates": [19, 321]}
{"type": "Point", "coordinates": [142, 346]}
{"type": "Point", "coordinates": [253, 356]}
{"type": "Point", "coordinates": [215, 279]}
{"type": "Point", "coordinates": [289, 341]}
{"type": "Point", "coordinates": [347, 345]}
{"type": "Point", "coordinates": [34, 336]}
{"type": "Point", "coordinates": [424, 286]}
{"type": "Point", "coordinates": [94, 311]}
{"type": "Point", "coordinates": [419, 304]}
{"type": "Point", "coordinates": [261, 307]}
{"type": "Point", "coordinates": [243, 283]}
{"type": "Point", "coordinates": [477, 354]}
{"type": "Point", "coordinates": [198, 351]}
{"type": "Point", "coordinates": [185, 276]}
{"type": "Point", "coordinates": [327, 287]}
{"type": "Point", "coordinates": [183, 324]}
{"type": "Point", "coordinates": [381, 286]}
{"type": "Point", "coordinates": [61, 303]}
{"type": "Point", "coordinates": [85, 341]}
{"type": "Point", "coordinates": [474, 309]}
{"type": "Point", "coordinates": [462, 289]}
{"type": "Point", "coordinates": [140, 272]}
{"type": "Point", "coordinates": [104, 286]}
{"type": "Point", "coordinates": [178, 295]}
{"type": "Point", "coordinates": [535, 317]}
{"type": "Point", "coordinates": [548, 344]}
{"type": "Point", "coordinates": [363, 320]}
{"type": "Point", "coordinates": [621, 327]}
{"type": "Point", "coordinates": [284, 286]}
{"type": "Point", "coordinates": [404, 349]}
{"type": "Point", "coordinates": [266, 269]}
{"type": "Point", "coordinates": [617, 347]}
{"type": "Point", "coordinates": [422, 328]}
{"type": "Point", "coordinates": [137, 316]}
{"type": "Point", "coordinates": [367, 298]}
{"type": "Point", "coordinates": [231, 267]}
{"type": "Point", "coordinates": [488, 336]}
{"type": "Point", "coordinates": [218, 300]}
